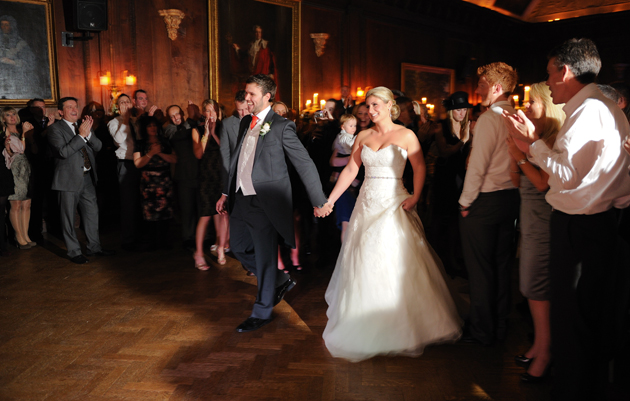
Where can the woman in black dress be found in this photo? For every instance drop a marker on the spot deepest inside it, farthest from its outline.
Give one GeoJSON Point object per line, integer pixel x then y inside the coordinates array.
{"type": "Point", "coordinates": [206, 147]}
{"type": "Point", "coordinates": [453, 142]}
{"type": "Point", "coordinates": [154, 156]}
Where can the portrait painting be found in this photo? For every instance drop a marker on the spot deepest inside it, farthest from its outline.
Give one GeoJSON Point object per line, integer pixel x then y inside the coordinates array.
{"type": "Point", "coordinates": [27, 68]}
{"type": "Point", "coordinates": [433, 83]}
{"type": "Point", "coordinates": [253, 37]}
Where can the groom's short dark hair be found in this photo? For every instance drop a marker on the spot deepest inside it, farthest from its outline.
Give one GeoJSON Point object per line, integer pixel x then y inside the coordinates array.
{"type": "Point", "coordinates": [265, 83]}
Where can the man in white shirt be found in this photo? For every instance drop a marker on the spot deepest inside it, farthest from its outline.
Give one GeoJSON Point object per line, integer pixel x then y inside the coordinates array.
{"type": "Point", "coordinates": [489, 207]}
{"type": "Point", "coordinates": [588, 178]}
{"type": "Point", "coordinates": [123, 132]}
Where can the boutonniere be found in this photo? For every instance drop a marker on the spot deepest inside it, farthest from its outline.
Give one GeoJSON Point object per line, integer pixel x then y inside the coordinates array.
{"type": "Point", "coordinates": [265, 128]}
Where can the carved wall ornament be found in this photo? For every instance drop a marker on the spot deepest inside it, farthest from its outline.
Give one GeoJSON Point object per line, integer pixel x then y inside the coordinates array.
{"type": "Point", "coordinates": [172, 19]}
{"type": "Point", "coordinates": [320, 42]}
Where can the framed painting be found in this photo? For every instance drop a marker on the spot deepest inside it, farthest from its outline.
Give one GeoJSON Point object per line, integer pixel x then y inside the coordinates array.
{"type": "Point", "coordinates": [27, 56]}
{"type": "Point", "coordinates": [254, 37]}
{"type": "Point", "coordinates": [433, 83]}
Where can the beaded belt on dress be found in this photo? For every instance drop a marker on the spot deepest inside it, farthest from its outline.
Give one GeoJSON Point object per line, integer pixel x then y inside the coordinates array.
{"type": "Point", "coordinates": [384, 178]}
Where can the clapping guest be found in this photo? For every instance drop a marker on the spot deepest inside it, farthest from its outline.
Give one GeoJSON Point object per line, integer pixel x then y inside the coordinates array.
{"type": "Point", "coordinates": [124, 134]}
{"type": "Point", "coordinates": [154, 156]}
{"type": "Point", "coordinates": [535, 216]}
{"type": "Point", "coordinates": [16, 160]}
{"type": "Point", "coordinates": [207, 148]}
{"type": "Point", "coordinates": [186, 176]}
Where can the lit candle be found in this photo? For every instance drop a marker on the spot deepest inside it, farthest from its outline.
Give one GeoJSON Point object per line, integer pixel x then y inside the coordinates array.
{"type": "Point", "coordinates": [104, 80]}
{"type": "Point", "coordinates": [315, 97]}
{"type": "Point", "coordinates": [515, 97]}
{"type": "Point", "coordinates": [322, 104]}
{"type": "Point", "coordinates": [308, 104]}
{"type": "Point", "coordinates": [360, 92]}
{"type": "Point", "coordinates": [424, 100]}
{"type": "Point", "coordinates": [526, 97]}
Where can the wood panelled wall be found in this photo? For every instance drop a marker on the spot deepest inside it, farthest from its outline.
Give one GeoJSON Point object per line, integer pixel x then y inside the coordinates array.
{"type": "Point", "coordinates": [369, 39]}
{"type": "Point", "coordinates": [136, 40]}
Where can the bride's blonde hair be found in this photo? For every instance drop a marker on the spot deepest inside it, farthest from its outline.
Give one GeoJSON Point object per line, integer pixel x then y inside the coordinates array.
{"type": "Point", "coordinates": [385, 95]}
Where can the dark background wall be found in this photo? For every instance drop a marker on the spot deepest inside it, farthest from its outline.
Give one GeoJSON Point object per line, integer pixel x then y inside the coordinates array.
{"type": "Point", "coordinates": [369, 39]}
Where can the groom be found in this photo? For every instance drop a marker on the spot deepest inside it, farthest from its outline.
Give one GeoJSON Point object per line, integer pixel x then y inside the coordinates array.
{"type": "Point", "coordinates": [258, 196]}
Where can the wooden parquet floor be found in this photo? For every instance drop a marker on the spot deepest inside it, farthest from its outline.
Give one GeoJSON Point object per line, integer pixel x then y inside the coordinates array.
{"type": "Point", "coordinates": [148, 326]}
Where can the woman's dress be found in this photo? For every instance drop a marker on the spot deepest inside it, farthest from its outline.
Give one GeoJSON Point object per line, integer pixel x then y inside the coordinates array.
{"type": "Point", "coordinates": [20, 167]}
{"type": "Point", "coordinates": [211, 174]}
{"type": "Point", "coordinates": [156, 185]}
{"type": "Point", "coordinates": [387, 294]}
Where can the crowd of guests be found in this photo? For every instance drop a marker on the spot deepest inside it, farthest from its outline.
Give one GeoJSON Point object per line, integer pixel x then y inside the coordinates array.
{"type": "Point", "coordinates": [487, 168]}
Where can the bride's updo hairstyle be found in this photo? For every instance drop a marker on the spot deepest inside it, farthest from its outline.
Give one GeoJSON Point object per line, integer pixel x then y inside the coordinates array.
{"type": "Point", "coordinates": [385, 95]}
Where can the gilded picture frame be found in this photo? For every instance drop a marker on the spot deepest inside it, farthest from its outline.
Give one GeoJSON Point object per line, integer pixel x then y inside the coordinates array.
{"type": "Point", "coordinates": [236, 51]}
{"type": "Point", "coordinates": [28, 66]}
{"type": "Point", "coordinates": [433, 83]}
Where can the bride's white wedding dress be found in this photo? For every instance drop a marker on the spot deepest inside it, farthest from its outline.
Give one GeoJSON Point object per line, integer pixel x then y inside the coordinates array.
{"type": "Point", "coordinates": [387, 294]}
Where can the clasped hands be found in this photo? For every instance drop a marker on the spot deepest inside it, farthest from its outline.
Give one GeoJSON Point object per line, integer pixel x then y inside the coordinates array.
{"type": "Point", "coordinates": [324, 210]}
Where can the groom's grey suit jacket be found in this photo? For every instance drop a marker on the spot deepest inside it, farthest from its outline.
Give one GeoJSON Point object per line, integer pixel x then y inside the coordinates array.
{"type": "Point", "coordinates": [270, 175]}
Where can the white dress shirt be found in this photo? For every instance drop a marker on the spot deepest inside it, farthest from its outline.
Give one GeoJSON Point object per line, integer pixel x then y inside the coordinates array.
{"type": "Point", "coordinates": [587, 166]}
{"type": "Point", "coordinates": [246, 157]}
{"type": "Point", "coordinates": [122, 137]}
{"type": "Point", "coordinates": [489, 165]}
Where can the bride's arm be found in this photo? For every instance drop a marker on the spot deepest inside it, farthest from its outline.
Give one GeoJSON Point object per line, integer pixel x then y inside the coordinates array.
{"type": "Point", "coordinates": [351, 170]}
{"type": "Point", "coordinates": [415, 157]}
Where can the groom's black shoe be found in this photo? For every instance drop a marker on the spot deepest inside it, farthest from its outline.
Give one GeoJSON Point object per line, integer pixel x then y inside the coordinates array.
{"type": "Point", "coordinates": [283, 289]}
{"type": "Point", "coordinates": [252, 324]}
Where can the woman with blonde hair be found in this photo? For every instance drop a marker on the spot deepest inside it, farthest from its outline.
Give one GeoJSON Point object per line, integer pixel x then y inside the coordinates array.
{"type": "Point", "coordinates": [535, 216]}
{"type": "Point", "coordinates": [16, 160]}
{"type": "Point", "coordinates": [206, 147]}
{"type": "Point", "coordinates": [387, 294]}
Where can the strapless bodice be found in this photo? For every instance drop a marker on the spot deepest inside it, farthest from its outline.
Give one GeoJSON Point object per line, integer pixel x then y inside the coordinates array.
{"type": "Point", "coordinates": [388, 162]}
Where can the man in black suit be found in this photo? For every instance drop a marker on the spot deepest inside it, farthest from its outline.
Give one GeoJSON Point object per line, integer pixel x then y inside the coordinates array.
{"type": "Point", "coordinates": [259, 195]}
{"type": "Point", "coordinates": [74, 147]}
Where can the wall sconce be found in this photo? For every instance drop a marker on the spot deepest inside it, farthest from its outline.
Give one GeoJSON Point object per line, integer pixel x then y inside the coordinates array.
{"type": "Point", "coordinates": [104, 78]}
{"type": "Point", "coordinates": [130, 80]}
{"type": "Point", "coordinates": [322, 104]}
{"type": "Point", "coordinates": [320, 42]}
{"type": "Point", "coordinates": [172, 19]}
{"type": "Point", "coordinates": [360, 92]}
{"type": "Point", "coordinates": [526, 96]}
{"type": "Point", "coordinates": [515, 97]}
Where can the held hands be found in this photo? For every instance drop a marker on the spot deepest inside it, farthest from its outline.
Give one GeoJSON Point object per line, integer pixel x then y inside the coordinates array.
{"type": "Point", "coordinates": [324, 210]}
{"type": "Point", "coordinates": [154, 149]}
{"type": "Point", "coordinates": [409, 203]}
{"type": "Point", "coordinates": [221, 205]}
{"type": "Point", "coordinates": [86, 126]}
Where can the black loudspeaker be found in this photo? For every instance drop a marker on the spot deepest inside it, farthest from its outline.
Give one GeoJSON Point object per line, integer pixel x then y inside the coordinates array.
{"type": "Point", "coordinates": [86, 15]}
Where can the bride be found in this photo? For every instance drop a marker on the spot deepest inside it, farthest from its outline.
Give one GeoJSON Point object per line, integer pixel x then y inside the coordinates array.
{"type": "Point", "coordinates": [387, 294]}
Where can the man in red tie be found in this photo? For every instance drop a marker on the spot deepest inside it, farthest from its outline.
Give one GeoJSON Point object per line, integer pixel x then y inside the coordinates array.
{"type": "Point", "coordinates": [258, 195]}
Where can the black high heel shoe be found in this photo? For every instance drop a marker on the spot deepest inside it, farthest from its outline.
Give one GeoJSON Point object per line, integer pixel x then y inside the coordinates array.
{"type": "Point", "coordinates": [522, 360]}
{"type": "Point", "coordinates": [527, 378]}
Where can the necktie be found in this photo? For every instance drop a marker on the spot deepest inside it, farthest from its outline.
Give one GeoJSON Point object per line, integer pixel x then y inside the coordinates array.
{"type": "Point", "coordinates": [254, 121]}
{"type": "Point", "coordinates": [86, 159]}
